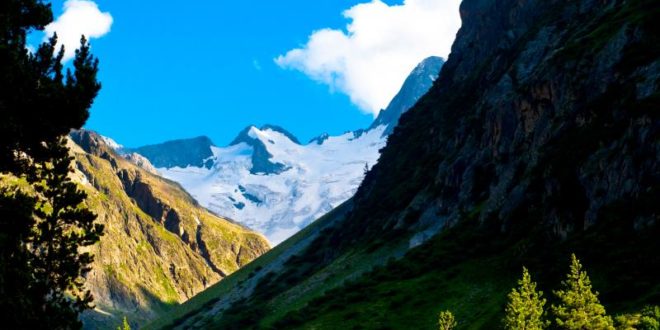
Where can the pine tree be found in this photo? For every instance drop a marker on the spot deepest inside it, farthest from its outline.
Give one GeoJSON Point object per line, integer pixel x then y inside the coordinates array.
{"type": "Point", "coordinates": [63, 226]}
{"type": "Point", "coordinates": [524, 310]}
{"type": "Point", "coordinates": [446, 321]}
{"type": "Point", "coordinates": [125, 325]}
{"type": "Point", "coordinates": [43, 225]}
{"type": "Point", "coordinates": [579, 307]}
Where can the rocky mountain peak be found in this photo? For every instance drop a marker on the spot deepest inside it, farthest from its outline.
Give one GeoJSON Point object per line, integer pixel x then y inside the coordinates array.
{"type": "Point", "coordinates": [278, 129]}
{"type": "Point", "coordinates": [142, 162]}
{"type": "Point", "coordinates": [251, 133]}
{"type": "Point", "coordinates": [417, 84]}
{"type": "Point", "coordinates": [90, 141]}
{"type": "Point", "coordinates": [178, 153]}
{"type": "Point", "coordinates": [320, 138]}
{"type": "Point", "coordinates": [258, 139]}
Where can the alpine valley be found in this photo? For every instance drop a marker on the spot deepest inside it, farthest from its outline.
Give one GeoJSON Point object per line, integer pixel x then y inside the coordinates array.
{"type": "Point", "coordinates": [539, 139]}
{"type": "Point", "coordinates": [534, 147]}
{"type": "Point", "coordinates": [270, 182]}
{"type": "Point", "coordinates": [162, 245]}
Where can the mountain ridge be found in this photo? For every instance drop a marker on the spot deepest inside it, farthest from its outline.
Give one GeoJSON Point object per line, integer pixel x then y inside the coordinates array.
{"type": "Point", "coordinates": [415, 86]}
{"type": "Point", "coordinates": [160, 247]}
{"type": "Point", "coordinates": [180, 152]}
{"type": "Point", "coordinates": [538, 140]}
{"type": "Point", "coordinates": [266, 179]}
{"type": "Point", "coordinates": [244, 135]}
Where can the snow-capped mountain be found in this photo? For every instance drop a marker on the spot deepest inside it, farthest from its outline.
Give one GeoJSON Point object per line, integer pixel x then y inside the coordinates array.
{"type": "Point", "coordinates": [267, 180]}
{"type": "Point", "coordinates": [276, 186]}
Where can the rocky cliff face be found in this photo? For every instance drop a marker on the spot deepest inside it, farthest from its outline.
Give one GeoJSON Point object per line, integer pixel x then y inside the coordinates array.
{"type": "Point", "coordinates": [549, 113]}
{"type": "Point", "coordinates": [160, 247]}
{"type": "Point", "coordinates": [141, 162]}
{"type": "Point", "coordinates": [539, 138]}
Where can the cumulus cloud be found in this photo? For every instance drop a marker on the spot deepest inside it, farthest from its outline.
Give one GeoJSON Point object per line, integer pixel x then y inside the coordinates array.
{"type": "Point", "coordinates": [381, 44]}
{"type": "Point", "coordinates": [80, 17]}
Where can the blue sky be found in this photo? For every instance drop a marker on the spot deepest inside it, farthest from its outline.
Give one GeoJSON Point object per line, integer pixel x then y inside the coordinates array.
{"type": "Point", "coordinates": [175, 69]}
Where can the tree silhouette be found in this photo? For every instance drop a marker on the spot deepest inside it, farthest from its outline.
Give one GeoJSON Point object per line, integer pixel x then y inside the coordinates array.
{"type": "Point", "coordinates": [43, 221]}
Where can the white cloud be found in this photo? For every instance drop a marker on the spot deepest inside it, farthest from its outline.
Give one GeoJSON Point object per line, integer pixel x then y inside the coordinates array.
{"type": "Point", "coordinates": [80, 17]}
{"type": "Point", "coordinates": [380, 46]}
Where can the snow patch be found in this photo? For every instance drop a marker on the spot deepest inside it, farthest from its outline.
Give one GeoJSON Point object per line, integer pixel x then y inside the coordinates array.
{"type": "Point", "coordinates": [111, 143]}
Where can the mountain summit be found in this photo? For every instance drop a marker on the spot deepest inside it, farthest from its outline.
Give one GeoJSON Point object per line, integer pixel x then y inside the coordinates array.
{"type": "Point", "coordinates": [417, 84]}
{"type": "Point", "coordinates": [266, 179]}
{"type": "Point", "coordinates": [258, 140]}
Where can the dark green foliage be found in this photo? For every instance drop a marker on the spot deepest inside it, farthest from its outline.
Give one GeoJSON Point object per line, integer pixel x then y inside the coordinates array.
{"type": "Point", "coordinates": [63, 226]}
{"type": "Point", "coordinates": [42, 268]}
{"type": "Point", "coordinates": [43, 223]}
{"type": "Point", "coordinates": [405, 294]}
{"type": "Point", "coordinates": [449, 271]}
{"type": "Point", "coordinates": [38, 103]}
{"type": "Point", "coordinates": [650, 318]}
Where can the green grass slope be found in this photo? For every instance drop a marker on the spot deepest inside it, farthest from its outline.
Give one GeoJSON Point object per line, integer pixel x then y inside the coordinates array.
{"type": "Point", "coordinates": [470, 270]}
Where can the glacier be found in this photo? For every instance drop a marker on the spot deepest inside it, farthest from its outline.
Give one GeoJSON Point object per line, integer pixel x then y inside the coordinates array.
{"type": "Point", "coordinates": [317, 178]}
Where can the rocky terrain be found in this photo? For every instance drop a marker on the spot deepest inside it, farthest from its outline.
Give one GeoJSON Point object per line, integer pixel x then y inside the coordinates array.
{"type": "Point", "coordinates": [160, 247]}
